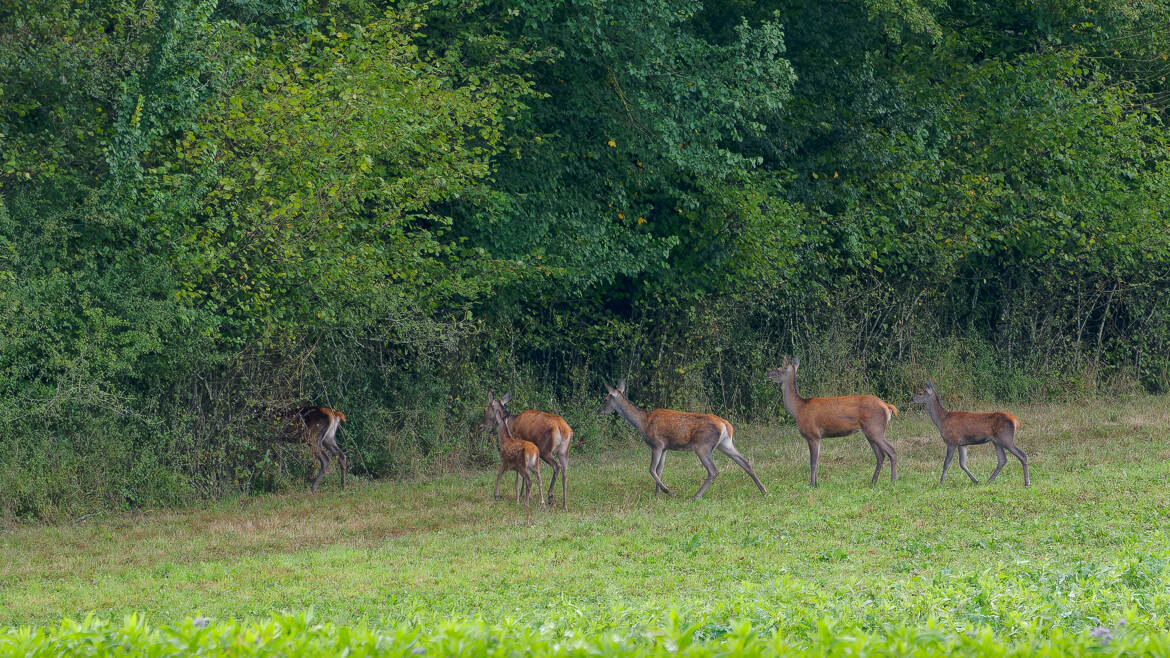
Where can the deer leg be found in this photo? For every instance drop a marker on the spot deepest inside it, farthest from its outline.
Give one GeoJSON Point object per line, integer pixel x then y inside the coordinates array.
{"type": "Point", "coordinates": [518, 487]}
{"type": "Point", "coordinates": [889, 449]}
{"type": "Point", "coordinates": [1011, 447]}
{"type": "Point", "coordinates": [728, 448]}
{"type": "Point", "coordinates": [877, 436]}
{"type": "Point", "coordinates": [323, 460]}
{"type": "Point", "coordinates": [658, 471]}
{"type": "Point", "coordinates": [653, 471]}
{"type": "Point", "coordinates": [963, 463]}
{"type": "Point", "coordinates": [527, 488]}
{"type": "Point", "coordinates": [552, 483]}
{"type": "Point", "coordinates": [947, 463]}
{"type": "Point", "coordinates": [564, 462]}
{"type": "Point", "coordinates": [524, 484]}
{"type": "Point", "coordinates": [708, 463]}
{"type": "Point", "coordinates": [540, 484]}
{"type": "Point", "coordinates": [880, 456]}
{"type": "Point", "coordinates": [814, 455]}
{"type": "Point", "coordinates": [331, 446]}
{"type": "Point", "coordinates": [657, 456]}
{"type": "Point", "coordinates": [555, 467]}
{"type": "Point", "coordinates": [499, 476]}
{"type": "Point", "coordinates": [998, 467]}
{"type": "Point", "coordinates": [1008, 440]}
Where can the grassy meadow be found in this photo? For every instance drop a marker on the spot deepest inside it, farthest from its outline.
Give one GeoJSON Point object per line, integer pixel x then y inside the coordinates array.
{"type": "Point", "coordinates": [1079, 561]}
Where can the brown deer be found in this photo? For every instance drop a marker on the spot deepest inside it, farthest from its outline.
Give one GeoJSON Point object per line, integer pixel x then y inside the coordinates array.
{"type": "Point", "coordinates": [665, 429]}
{"type": "Point", "coordinates": [960, 429]}
{"type": "Point", "coordinates": [317, 426]}
{"type": "Point", "coordinates": [817, 418]}
{"type": "Point", "coordinates": [551, 434]}
{"type": "Point", "coordinates": [515, 455]}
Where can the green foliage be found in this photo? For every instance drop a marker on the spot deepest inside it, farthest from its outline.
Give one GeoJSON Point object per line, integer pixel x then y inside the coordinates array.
{"type": "Point", "coordinates": [301, 635]}
{"type": "Point", "coordinates": [330, 163]}
{"type": "Point", "coordinates": [642, 120]}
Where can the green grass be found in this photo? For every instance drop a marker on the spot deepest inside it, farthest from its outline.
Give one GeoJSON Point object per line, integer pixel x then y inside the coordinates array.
{"type": "Point", "coordinates": [1084, 548]}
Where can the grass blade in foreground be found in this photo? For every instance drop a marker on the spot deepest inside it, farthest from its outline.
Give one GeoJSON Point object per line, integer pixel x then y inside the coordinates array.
{"type": "Point", "coordinates": [299, 635]}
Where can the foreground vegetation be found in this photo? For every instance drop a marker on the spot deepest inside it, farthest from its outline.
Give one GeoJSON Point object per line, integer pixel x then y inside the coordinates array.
{"type": "Point", "coordinates": [1080, 561]}
{"type": "Point", "coordinates": [302, 636]}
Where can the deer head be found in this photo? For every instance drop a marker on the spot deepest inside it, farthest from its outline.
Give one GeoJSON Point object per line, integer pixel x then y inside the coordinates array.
{"type": "Point", "coordinates": [498, 414]}
{"type": "Point", "coordinates": [788, 369]}
{"type": "Point", "coordinates": [612, 399]}
{"type": "Point", "coordinates": [489, 423]}
{"type": "Point", "coordinates": [925, 395]}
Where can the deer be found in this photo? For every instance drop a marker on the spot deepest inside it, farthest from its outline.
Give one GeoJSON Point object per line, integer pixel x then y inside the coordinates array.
{"type": "Point", "coordinates": [666, 429]}
{"type": "Point", "coordinates": [960, 429]}
{"type": "Point", "coordinates": [817, 418]}
{"type": "Point", "coordinates": [317, 426]}
{"type": "Point", "coordinates": [515, 455]}
{"type": "Point", "coordinates": [549, 432]}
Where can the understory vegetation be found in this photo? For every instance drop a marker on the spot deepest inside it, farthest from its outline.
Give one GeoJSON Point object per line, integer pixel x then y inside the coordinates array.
{"type": "Point", "coordinates": [213, 209]}
{"type": "Point", "coordinates": [1077, 563]}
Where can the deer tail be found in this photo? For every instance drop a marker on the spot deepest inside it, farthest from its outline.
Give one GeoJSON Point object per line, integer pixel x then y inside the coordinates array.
{"type": "Point", "coordinates": [726, 432]}
{"type": "Point", "coordinates": [891, 411]}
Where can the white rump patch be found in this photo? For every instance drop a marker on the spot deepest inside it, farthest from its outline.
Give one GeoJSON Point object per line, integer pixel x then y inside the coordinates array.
{"type": "Point", "coordinates": [723, 435]}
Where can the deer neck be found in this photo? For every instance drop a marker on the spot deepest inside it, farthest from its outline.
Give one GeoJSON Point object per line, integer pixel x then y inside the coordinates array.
{"type": "Point", "coordinates": [792, 400]}
{"type": "Point", "coordinates": [631, 413]}
{"type": "Point", "coordinates": [936, 411]}
{"type": "Point", "coordinates": [504, 432]}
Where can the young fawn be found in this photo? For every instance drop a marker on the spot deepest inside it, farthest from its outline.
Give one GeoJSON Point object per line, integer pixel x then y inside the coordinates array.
{"type": "Point", "coordinates": [664, 429]}
{"type": "Point", "coordinates": [515, 455]}
{"type": "Point", "coordinates": [817, 418]}
{"type": "Point", "coordinates": [551, 434]}
{"type": "Point", "coordinates": [317, 426]}
{"type": "Point", "coordinates": [960, 429]}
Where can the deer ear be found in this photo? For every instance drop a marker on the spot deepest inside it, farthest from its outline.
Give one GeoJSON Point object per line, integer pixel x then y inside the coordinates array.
{"type": "Point", "coordinates": [491, 398]}
{"type": "Point", "coordinates": [622, 386]}
{"type": "Point", "coordinates": [610, 389]}
{"type": "Point", "coordinates": [505, 397]}
{"type": "Point", "coordinates": [795, 362]}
